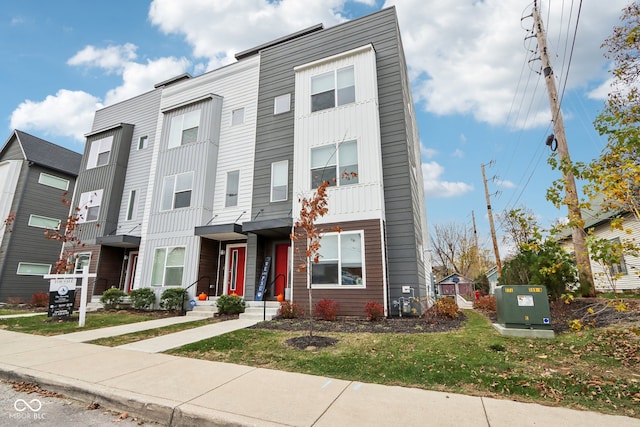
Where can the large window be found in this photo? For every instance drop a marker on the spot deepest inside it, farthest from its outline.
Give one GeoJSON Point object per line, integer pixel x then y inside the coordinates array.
{"type": "Point", "coordinates": [184, 129]}
{"type": "Point", "coordinates": [231, 194]}
{"type": "Point", "coordinates": [82, 260]}
{"type": "Point", "coordinates": [53, 181]}
{"type": "Point", "coordinates": [341, 260]}
{"type": "Point", "coordinates": [279, 181]}
{"type": "Point", "coordinates": [335, 163]}
{"type": "Point", "coordinates": [332, 89]}
{"type": "Point", "coordinates": [33, 269]}
{"type": "Point", "coordinates": [168, 264]}
{"type": "Point", "coordinates": [44, 222]}
{"type": "Point", "coordinates": [100, 152]}
{"type": "Point", "coordinates": [89, 206]}
{"type": "Point", "coordinates": [176, 191]}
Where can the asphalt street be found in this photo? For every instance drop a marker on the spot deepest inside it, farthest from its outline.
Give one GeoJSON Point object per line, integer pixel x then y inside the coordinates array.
{"type": "Point", "coordinates": [41, 408]}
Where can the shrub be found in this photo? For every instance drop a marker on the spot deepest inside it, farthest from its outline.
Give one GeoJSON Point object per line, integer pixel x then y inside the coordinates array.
{"type": "Point", "coordinates": [374, 310]}
{"type": "Point", "coordinates": [143, 298]}
{"type": "Point", "coordinates": [326, 309]}
{"type": "Point", "coordinates": [172, 298]}
{"type": "Point", "coordinates": [289, 310]}
{"type": "Point", "coordinates": [447, 307]}
{"type": "Point", "coordinates": [230, 304]}
{"type": "Point", "coordinates": [112, 297]}
{"type": "Point", "coordinates": [485, 303]}
{"type": "Point", "coordinates": [40, 299]}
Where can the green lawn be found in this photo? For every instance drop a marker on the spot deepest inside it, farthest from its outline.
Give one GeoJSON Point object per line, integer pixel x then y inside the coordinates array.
{"type": "Point", "coordinates": [43, 325]}
{"type": "Point", "coordinates": [588, 370]}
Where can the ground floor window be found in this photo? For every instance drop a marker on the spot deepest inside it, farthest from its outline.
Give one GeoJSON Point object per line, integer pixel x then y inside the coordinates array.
{"type": "Point", "coordinates": [82, 260]}
{"type": "Point", "coordinates": [168, 265]}
{"type": "Point", "coordinates": [341, 261]}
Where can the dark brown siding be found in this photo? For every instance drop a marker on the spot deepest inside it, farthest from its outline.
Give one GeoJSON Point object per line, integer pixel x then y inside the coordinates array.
{"type": "Point", "coordinates": [351, 301]}
{"type": "Point", "coordinates": [209, 259]}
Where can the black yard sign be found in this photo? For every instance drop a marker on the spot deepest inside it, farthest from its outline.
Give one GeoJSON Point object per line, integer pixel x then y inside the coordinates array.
{"type": "Point", "coordinates": [264, 275]}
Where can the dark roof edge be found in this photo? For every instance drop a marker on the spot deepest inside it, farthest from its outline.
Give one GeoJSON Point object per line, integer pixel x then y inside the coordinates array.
{"type": "Point", "coordinates": [255, 50]}
{"type": "Point", "coordinates": [172, 80]}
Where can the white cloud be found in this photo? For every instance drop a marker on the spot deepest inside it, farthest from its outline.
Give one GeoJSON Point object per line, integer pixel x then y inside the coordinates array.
{"type": "Point", "coordinates": [434, 187]}
{"type": "Point", "coordinates": [67, 113]}
{"type": "Point", "coordinates": [139, 78]}
{"type": "Point", "coordinates": [504, 183]}
{"type": "Point", "coordinates": [428, 153]}
{"type": "Point", "coordinates": [111, 58]}
{"type": "Point", "coordinates": [218, 30]}
{"type": "Point", "coordinates": [458, 153]}
{"type": "Point", "coordinates": [479, 46]}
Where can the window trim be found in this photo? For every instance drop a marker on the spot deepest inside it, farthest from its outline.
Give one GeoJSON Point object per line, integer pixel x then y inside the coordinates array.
{"type": "Point", "coordinates": [164, 265]}
{"type": "Point", "coordinates": [32, 216]}
{"type": "Point", "coordinates": [55, 178]}
{"type": "Point", "coordinates": [237, 116]}
{"type": "Point", "coordinates": [20, 264]}
{"type": "Point", "coordinates": [132, 206]}
{"type": "Point", "coordinates": [337, 164]}
{"type": "Point", "coordinates": [98, 147]}
{"type": "Point", "coordinates": [283, 109]}
{"type": "Point", "coordinates": [340, 235]}
{"type": "Point", "coordinates": [143, 142]}
{"type": "Point", "coordinates": [173, 141]}
{"type": "Point", "coordinates": [335, 89]}
{"type": "Point", "coordinates": [286, 184]}
{"type": "Point", "coordinates": [89, 199]}
{"type": "Point", "coordinates": [75, 264]}
{"type": "Point", "coordinates": [227, 189]}
{"type": "Point", "coordinates": [174, 192]}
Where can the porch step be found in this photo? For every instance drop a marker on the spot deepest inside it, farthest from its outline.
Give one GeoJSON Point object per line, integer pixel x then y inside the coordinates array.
{"type": "Point", "coordinates": [203, 309]}
{"type": "Point", "coordinates": [255, 310]}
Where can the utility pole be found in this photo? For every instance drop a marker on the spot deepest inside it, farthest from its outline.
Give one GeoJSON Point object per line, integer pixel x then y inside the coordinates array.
{"type": "Point", "coordinates": [475, 238]}
{"type": "Point", "coordinates": [585, 275]}
{"type": "Point", "coordinates": [493, 229]}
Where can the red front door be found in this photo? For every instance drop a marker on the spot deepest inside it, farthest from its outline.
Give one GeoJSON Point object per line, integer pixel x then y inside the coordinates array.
{"type": "Point", "coordinates": [235, 268]}
{"type": "Point", "coordinates": [282, 268]}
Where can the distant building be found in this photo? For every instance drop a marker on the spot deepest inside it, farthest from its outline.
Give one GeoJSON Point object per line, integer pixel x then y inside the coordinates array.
{"type": "Point", "coordinates": [197, 183]}
{"type": "Point", "coordinates": [35, 176]}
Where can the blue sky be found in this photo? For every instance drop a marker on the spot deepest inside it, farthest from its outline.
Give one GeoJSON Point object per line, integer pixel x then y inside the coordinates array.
{"type": "Point", "coordinates": [479, 98]}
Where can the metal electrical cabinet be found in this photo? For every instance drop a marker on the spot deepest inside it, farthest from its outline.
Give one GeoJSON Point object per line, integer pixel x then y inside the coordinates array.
{"type": "Point", "coordinates": [523, 307]}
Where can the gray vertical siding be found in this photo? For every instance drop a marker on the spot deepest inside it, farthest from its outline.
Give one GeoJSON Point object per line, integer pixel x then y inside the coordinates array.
{"type": "Point", "coordinates": [275, 139]}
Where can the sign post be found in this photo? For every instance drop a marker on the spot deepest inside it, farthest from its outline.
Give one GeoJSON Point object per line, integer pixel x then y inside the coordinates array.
{"type": "Point", "coordinates": [62, 294]}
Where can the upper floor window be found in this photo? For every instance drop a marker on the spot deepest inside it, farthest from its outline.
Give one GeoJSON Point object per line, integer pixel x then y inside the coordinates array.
{"type": "Point", "coordinates": [279, 181]}
{"type": "Point", "coordinates": [332, 89]}
{"type": "Point", "coordinates": [335, 163]}
{"type": "Point", "coordinates": [184, 129]}
{"type": "Point", "coordinates": [132, 206]}
{"type": "Point", "coordinates": [233, 181]}
{"type": "Point", "coordinates": [99, 152]}
{"type": "Point", "coordinates": [44, 222]}
{"type": "Point", "coordinates": [53, 181]}
{"type": "Point", "coordinates": [282, 104]}
{"type": "Point", "coordinates": [143, 142]}
{"type": "Point", "coordinates": [89, 206]}
{"type": "Point", "coordinates": [176, 191]}
{"type": "Point", "coordinates": [237, 117]}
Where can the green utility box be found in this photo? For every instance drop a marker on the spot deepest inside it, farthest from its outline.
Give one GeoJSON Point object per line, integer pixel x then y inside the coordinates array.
{"type": "Point", "coordinates": [523, 307]}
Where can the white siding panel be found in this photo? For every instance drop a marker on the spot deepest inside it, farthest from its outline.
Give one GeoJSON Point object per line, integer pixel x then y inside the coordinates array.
{"type": "Point", "coordinates": [357, 121]}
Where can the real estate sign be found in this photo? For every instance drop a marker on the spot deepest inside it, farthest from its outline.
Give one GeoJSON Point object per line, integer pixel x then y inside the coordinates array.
{"type": "Point", "coordinates": [62, 295]}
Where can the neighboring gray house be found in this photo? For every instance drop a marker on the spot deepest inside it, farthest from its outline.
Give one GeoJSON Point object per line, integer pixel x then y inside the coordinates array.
{"type": "Point", "coordinates": [197, 182]}
{"type": "Point", "coordinates": [35, 177]}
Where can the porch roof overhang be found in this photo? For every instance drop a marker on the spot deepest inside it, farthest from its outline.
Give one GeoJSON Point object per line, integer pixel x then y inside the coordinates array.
{"type": "Point", "coordinates": [229, 231]}
{"type": "Point", "coordinates": [119, 241]}
{"type": "Point", "coordinates": [276, 227]}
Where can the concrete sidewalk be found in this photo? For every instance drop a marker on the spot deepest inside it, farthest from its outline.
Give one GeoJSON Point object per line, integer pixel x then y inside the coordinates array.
{"type": "Point", "coordinates": [176, 391]}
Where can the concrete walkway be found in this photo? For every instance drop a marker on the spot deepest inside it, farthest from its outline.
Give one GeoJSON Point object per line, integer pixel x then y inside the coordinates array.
{"type": "Point", "coordinates": [177, 391]}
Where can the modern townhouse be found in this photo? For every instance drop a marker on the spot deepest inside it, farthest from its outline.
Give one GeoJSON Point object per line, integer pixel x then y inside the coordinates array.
{"type": "Point", "coordinates": [35, 177]}
{"type": "Point", "coordinates": [197, 183]}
